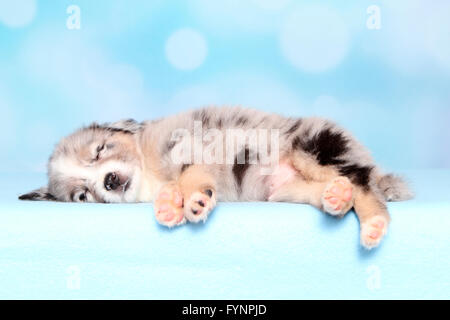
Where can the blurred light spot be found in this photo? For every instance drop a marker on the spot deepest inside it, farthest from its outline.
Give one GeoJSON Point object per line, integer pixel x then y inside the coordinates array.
{"type": "Point", "coordinates": [415, 39]}
{"type": "Point", "coordinates": [438, 35]}
{"type": "Point", "coordinates": [233, 18]}
{"type": "Point", "coordinates": [186, 49]}
{"type": "Point", "coordinates": [17, 13]}
{"type": "Point", "coordinates": [430, 145]}
{"type": "Point", "coordinates": [315, 38]}
{"type": "Point", "coordinates": [86, 76]}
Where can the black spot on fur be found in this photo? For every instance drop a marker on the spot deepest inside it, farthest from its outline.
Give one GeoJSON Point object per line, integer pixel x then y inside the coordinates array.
{"type": "Point", "coordinates": [49, 197]}
{"type": "Point", "coordinates": [184, 167]}
{"type": "Point", "coordinates": [297, 143]}
{"type": "Point", "coordinates": [202, 115]}
{"type": "Point", "coordinates": [359, 175]}
{"type": "Point", "coordinates": [261, 121]}
{"type": "Point", "coordinates": [239, 169]}
{"type": "Point", "coordinates": [36, 196]}
{"type": "Point", "coordinates": [170, 145]}
{"type": "Point", "coordinates": [205, 119]}
{"type": "Point", "coordinates": [241, 121]}
{"type": "Point", "coordinates": [96, 126]}
{"type": "Point", "coordinates": [111, 129]}
{"type": "Point", "coordinates": [327, 146]}
{"type": "Point", "coordinates": [209, 192]}
{"type": "Point", "coordinates": [219, 123]}
{"type": "Point", "coordinates": [294, 127]}
{"type": "Point", "coordinates": [171, 141]}
{"type": "Point", "coordinates": [131, 121]}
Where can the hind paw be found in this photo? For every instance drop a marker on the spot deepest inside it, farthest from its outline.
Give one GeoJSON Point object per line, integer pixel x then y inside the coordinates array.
{"type": "Point", "coordinates": [337, 198]}
{"type": "Point", "coordinates": [372, 231]}
{"type": "Point", "coordinates": [169, 206]}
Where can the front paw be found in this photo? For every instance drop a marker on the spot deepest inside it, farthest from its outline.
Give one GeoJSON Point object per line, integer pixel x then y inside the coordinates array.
{"type": "Point", "coordinates": [199, 204]}
{"type": "Point", "coordinates": [169, 206]}
{"type": "Point", "coordinates": [372, 231]}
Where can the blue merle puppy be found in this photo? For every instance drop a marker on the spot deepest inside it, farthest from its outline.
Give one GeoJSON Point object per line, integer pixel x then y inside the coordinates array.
{"type": "Point", "coordinates": [187, 162]}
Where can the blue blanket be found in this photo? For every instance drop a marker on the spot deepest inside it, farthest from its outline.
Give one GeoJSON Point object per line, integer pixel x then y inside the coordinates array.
{"type": "Point", "coordinates": [244, 250]}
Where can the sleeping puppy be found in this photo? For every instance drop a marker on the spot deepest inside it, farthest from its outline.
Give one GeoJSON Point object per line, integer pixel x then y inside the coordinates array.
{"type": "Point", "coordinates": [187, 162]}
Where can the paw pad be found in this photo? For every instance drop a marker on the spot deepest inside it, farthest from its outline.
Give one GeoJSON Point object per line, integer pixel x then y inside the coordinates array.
{"type": "Point", "coordinates": [337, 197]}
{"type": "Point", "coordinates": [372, 231]}
{"type": "Point", "coordinates": [198, 205]}
{"type": "Point", "coordinates": [169, 206]}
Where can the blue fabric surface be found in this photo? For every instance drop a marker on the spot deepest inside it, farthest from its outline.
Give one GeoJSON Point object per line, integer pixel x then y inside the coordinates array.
{"type": "Point", "coordinates": [245, 250]}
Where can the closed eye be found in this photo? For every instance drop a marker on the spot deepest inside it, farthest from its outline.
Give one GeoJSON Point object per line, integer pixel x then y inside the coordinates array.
{"type": "Point", "coordinates": [100, 148]}
{"type": "Point", "coordinates": [81, 196]}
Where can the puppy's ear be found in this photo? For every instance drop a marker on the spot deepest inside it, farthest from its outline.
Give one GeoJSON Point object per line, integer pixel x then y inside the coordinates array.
{"type": "Point", "coordinates": [41, 194]}
{"type": "Point", "coordinates": [129, 126]}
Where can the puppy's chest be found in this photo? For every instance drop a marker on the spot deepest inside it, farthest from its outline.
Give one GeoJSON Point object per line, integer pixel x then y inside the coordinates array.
{"type": "Point", "coordinates": [231, 148]}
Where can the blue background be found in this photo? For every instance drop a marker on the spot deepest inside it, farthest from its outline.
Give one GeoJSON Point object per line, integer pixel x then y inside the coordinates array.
{"type": "Point", "coordinates": [389, 86]}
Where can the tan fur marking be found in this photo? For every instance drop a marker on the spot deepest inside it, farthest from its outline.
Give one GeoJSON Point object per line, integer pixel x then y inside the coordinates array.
{"type": "Point", "coordinates": [194, 179]}
{"type": "Point", "coordinates": [310, 169]}
{"type": "Point", "coordinates": [368, 205]}
{"type": "Point", "coordinates": [300, 191]}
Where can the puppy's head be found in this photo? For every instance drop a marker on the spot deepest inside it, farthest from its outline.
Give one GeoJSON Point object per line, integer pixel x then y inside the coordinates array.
{"type": "Point", "coordinates": [99, 163]}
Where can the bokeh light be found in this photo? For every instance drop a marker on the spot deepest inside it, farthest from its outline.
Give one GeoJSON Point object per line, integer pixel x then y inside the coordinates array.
{"type": "Point", "coordinates": [186, 49]}
{"type": "Point", "coordinates": [17, 13]}
{"type": "Point", "coordinates": [315, 38]}
{"type": "Point", "coordinates": [133, 60]}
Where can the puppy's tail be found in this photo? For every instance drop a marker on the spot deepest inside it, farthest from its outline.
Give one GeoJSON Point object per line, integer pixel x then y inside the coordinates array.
{"type": "Point", "coordinates": [394, 188]}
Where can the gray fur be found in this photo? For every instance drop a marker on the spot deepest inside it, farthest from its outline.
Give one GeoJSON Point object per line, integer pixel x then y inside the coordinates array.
{"type": "Point", "coordinates": [353, 158]}
{"type": "Point", "coordinates": [394, 188]}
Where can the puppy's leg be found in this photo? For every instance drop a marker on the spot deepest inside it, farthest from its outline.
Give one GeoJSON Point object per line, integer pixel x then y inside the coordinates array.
{"type": "Point", "coordinates": [190, 198]}
{"type": "Point", "coordinates": [334, 197]}
{"type": "Point", "coordinates": [321, 186]}
{"type": "Point", "coordinates": [299, 191]}
{"type": "Point", "coordinates": [199, 191]}
{"type": "Point", "coordinates": [373, 217]}
{"type": "Point", "coordinates": [169, 205]}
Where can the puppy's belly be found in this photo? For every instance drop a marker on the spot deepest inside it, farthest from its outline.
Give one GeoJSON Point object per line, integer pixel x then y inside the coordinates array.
{"type": "Point", "coordinates": [283, 173]}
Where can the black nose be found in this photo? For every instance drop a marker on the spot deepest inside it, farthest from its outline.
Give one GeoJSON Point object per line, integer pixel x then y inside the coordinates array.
{"type": "Point", "coordinates": [112, 181]}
